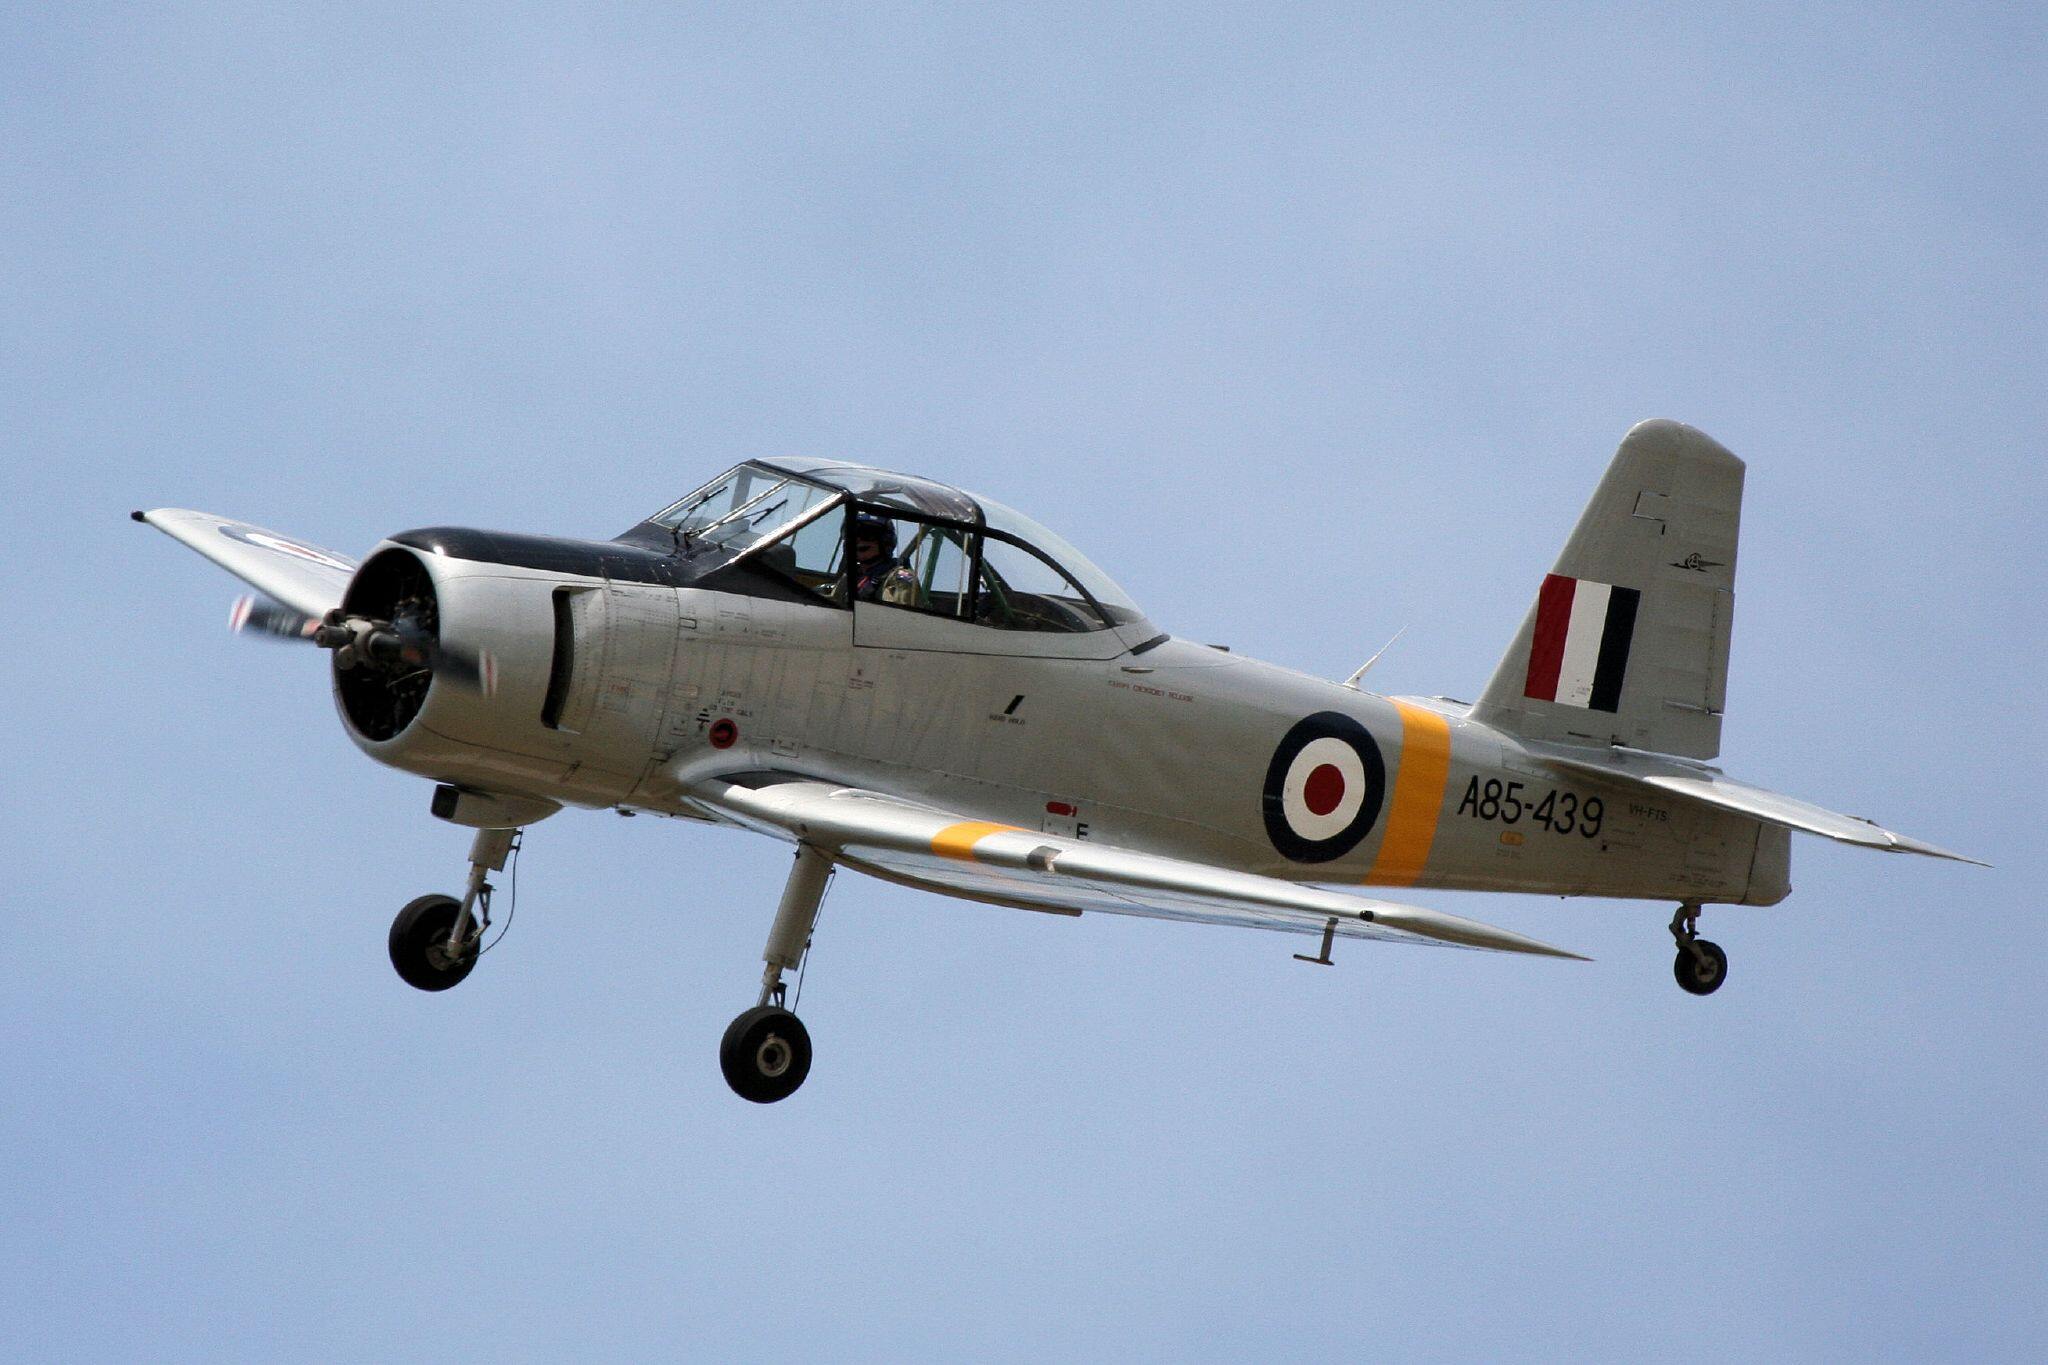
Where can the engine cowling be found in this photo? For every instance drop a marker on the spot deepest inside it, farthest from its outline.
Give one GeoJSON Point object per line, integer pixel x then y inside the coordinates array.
{"type": "Point", "coordinates": [498, 651]}
{"type": "Point", "coordinates": [455, 705]}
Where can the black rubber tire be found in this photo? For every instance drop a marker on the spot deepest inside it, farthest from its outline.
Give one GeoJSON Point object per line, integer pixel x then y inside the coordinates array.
{"type": "Point", "coordinates": [1701, 977]}
{"type": "Point", "coordinates": [423, 924]}
{"type": "Point", "coordinates": [765, 1054]}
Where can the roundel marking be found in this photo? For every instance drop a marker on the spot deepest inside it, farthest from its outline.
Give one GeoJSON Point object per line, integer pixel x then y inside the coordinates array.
{"type": "Point", "coordinates": [264, 540]}
{"type": "Point", "coordinates": [1324, 788]}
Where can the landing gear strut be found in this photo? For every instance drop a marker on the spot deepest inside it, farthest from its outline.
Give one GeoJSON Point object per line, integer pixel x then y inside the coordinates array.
{"type": "Point", "coordinates": [1701, 966]}
{"type": "Point", "coordinates": [435, 939]}
{"type": "Point", "coordinates": [766, 1052]}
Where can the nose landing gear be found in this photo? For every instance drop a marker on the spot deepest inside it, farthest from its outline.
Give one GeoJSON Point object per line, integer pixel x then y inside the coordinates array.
{"type": "Point", "coordinates": [1701, 966]}
{"type": "Point", "coordinates": [766, 1052]}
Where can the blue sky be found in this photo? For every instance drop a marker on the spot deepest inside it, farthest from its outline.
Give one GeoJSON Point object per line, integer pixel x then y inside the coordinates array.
{"type": "Point", "coordinates": [1308, 324]}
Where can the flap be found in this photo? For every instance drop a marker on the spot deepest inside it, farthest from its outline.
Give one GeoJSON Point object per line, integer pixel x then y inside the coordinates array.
{"type": "Point", "coordinates": [1006, 865]}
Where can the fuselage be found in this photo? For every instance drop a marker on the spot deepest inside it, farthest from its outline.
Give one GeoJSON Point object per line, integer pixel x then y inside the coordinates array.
{"type": "Point", "coordinates": [619, 683]}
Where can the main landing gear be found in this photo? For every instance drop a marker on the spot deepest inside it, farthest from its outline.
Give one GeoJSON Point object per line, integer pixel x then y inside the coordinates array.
{"type": "Point", "coordinates": [766, 1052]}
{"type": "Point", "coordinates": [1701, 966]}
{"type": "Point", "coordinates": [435, 939]}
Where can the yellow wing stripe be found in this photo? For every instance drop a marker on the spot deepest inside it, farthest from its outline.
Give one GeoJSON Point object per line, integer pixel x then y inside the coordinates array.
{"type": "Point", "coordinates": [958, 841]}
{"type": "Point", "coordinates": [1418, 797]}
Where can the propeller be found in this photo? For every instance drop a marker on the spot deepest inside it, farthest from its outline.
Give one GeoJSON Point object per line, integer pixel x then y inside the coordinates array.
{"type": "Point", "coordinates": [396, 646]}
{"type": "Point", "coordinates": [262, 616]}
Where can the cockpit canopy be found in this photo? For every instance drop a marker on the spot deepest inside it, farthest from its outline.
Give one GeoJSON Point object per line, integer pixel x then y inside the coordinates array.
{"type": "Point", "coordinates": [848, 533]}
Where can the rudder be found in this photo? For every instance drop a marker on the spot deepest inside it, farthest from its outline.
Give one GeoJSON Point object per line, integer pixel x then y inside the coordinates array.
{"type": "Point", "coordinates": [1627, 641]}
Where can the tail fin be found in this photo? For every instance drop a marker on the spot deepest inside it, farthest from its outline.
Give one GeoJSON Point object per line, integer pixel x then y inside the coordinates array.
{"type": "Point", "coordinates": [1627, 642]}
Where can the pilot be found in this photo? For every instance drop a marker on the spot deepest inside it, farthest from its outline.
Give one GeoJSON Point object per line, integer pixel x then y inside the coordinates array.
{"type": "Point", "coordinates": [877, 576]}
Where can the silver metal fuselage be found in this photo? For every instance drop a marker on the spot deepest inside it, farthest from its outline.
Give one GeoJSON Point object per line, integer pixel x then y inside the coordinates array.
{"type": "Point", "coordinates": [1165, 750]}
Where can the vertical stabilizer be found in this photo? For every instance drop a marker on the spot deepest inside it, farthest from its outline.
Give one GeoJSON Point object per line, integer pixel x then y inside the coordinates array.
{"type": "Point", "coordinates": [1627, 641]}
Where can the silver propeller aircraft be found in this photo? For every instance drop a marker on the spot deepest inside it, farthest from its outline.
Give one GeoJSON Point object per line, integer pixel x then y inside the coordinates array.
{"type": "Point", "coordinates": [925, 686]}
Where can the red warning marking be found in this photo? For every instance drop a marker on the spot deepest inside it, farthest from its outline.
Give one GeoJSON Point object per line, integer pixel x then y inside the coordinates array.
{"type": "Point", "coordinates": [1324, 789]}
{"type": "Point", "coordinates": [1059, 808]}
{"type": "Point", "coordinates": [723, 733]}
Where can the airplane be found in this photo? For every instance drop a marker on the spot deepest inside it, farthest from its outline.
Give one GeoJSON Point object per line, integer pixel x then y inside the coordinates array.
{"type": "Point", "coordinates": [923, 685]}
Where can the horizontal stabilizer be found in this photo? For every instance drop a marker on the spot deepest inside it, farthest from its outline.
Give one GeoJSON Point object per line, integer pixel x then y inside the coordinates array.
{"type": "Point", "coordinates": [301, 576]}
{"type": "Point", "coordinates": [1710, 787]}
{"type": "Point", "coordinates": [978, 860]}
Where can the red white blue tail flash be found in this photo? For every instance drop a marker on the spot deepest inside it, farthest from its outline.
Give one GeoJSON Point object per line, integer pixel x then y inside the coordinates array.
{"type": "Point", "coordinates": [1580, 652]}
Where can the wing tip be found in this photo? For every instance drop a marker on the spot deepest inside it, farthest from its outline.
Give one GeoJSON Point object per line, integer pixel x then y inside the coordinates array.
{"type": "Point", "coordinates": [1891, 841]}
{"type": "Point", "coordinates": [1902, 844]}
{"type": "Point", "coordinates": [1466, 933]}
{"type": "Point", "coordinates": [1550, 950]}
{"type": "Point", "coordinates": [138, 516]}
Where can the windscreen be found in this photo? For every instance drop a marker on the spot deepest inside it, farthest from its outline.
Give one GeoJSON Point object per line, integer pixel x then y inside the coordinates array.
{"type": "Point", "coordinates": [741, 508]}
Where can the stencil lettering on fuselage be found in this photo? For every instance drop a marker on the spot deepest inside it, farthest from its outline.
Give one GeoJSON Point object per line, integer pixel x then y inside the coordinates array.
{"type": "Point", "coordinates": [1324, 788]}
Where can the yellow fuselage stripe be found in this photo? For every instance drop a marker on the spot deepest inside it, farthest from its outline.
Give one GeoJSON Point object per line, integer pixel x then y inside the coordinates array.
{"type": "Point", "coordinates": [958, 841]}
{"type": "Point", "coordinates": [1418, 797]}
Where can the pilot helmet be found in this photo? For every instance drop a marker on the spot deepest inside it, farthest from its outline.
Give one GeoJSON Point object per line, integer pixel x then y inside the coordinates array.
{"type": "Point", "coordinates": [881, 530]}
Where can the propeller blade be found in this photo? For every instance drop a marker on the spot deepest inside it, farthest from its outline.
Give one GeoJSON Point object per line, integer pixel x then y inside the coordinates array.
{"type": "Point", "coordinates": [261, 616]}
{"type": "Point", "coordinates": [476, 670]}
{"type": "Point", "coordinates": [401, 644]}
{"type": "Point", "coordinates": [406, 641]}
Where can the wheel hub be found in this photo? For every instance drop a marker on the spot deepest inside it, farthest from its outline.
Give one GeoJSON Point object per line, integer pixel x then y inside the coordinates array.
{"type": "Point", "coordinates": [773, 1057]}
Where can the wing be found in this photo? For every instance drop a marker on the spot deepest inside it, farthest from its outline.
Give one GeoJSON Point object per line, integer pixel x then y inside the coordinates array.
{"type": "Point", "coordinates": [301, 576]}
{"type": "Point", "coordinates": [1711, 787]}
{"type": "Point", "coordinates": [941, 851]}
